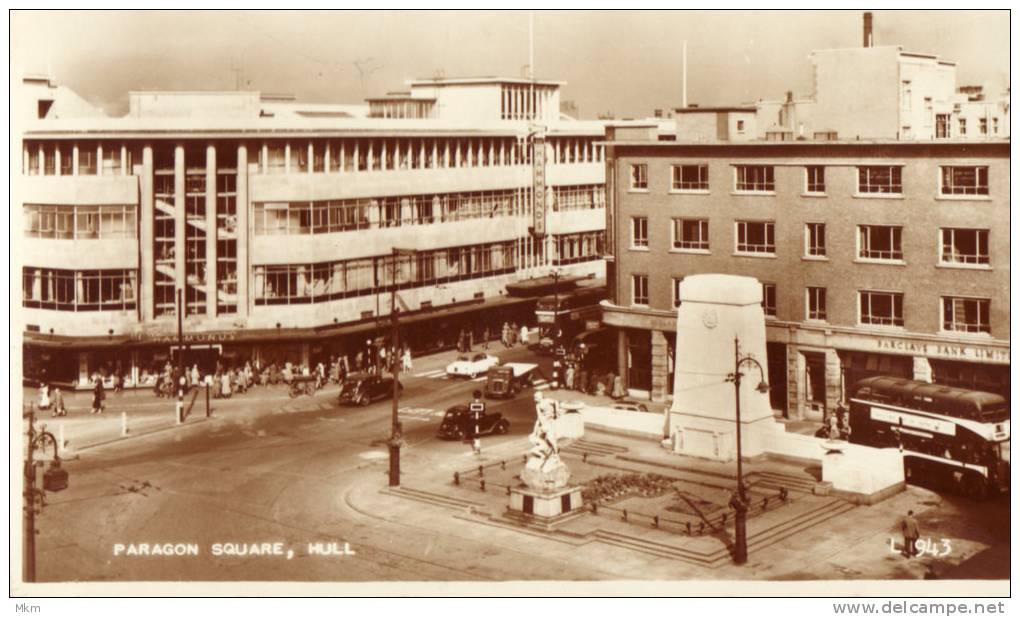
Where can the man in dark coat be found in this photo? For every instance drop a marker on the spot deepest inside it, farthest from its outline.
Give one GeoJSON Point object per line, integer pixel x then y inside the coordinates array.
{"type": "Point", "coordinates": [911, 533]}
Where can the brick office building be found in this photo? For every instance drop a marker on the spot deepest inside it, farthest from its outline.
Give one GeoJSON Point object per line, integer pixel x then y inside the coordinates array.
{"type": "Point", "coordinates": [876, 257]}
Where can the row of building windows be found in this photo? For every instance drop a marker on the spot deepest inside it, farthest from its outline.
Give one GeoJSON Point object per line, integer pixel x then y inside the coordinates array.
{"type": "Point", "coordinates": [69, 222]}
{"type": "Point", "coordinates": [957, 246]}
{"type": "Point", "coordinates": [331, 216]}
{"type": "Point", "coordinates": [338, 215]}
{"type": "Point", "coordinates": [579, 247]}
{"type": "Point", "coordinates": [326, 281]}
{"type": "Point", "coordinates": [82, 290]}
{"type": "Point", "coordinates": [317, 156]}
{"type": "Point", "coordinates": [581, 197]}
{"type": "Point", "coordinates": [875, 308]}
{"type": "Point", "coordinates": [955, 180]}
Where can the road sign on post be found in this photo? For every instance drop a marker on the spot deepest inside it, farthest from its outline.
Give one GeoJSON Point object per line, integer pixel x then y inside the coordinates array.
{"type": "Point", "coordinates": [477, 409]}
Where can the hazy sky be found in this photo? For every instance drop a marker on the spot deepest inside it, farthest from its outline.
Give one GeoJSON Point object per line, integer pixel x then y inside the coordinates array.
{"type": "Point", "coordinates": [625, 62]}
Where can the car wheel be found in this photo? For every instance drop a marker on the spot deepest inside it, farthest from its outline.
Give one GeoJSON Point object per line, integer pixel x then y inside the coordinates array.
{"type": "Point", "coordinates": [502, 427]}
{"type": "Point", "coordinates": [473, 374]}
{"type": "Point", "coordinates": [364, 400]}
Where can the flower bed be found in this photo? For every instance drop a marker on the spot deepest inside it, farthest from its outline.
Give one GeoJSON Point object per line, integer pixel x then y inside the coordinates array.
{"type": "Point", "coordinates": [613, 487]}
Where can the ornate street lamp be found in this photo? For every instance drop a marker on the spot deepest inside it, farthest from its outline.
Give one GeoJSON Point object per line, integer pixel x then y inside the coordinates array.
{"type": "Point", "coordinates": [55, 479]}
{"type": "Point", "coordinates": [739, 501]}
{"type": "Point", "coordinates": [396, 438]}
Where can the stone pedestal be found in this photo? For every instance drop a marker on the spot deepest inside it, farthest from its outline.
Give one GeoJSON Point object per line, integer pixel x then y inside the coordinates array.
{"type": "Point", "coordinates": [545, 504]}
{"type": "Point", "coordinates": [552, 475]}
{"type": "Point", "coordinates": [862, 474]}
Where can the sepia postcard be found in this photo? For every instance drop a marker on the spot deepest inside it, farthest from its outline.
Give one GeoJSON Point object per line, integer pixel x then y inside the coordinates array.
{"type": "Point", "coordinates": [502, 303]}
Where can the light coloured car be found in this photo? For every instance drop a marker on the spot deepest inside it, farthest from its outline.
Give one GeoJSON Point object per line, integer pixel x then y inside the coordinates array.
{"type": "Point", "coordinates": [471, 366]}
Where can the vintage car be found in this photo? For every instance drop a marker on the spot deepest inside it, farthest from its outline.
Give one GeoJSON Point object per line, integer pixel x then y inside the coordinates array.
{"type": "Point", "coordinates": [506, 380]}
{"type": "Point", "coordinates": [363, 388]}
{"type": "Point", "coordinates": [459, 423]}
{"type": "Point", "coordinates": [471, 366]}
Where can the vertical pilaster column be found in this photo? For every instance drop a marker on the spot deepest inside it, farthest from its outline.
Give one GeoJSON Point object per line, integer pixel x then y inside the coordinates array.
{"type": "Point", "coordinates": [796, 367]}
{"type": "Point", "coordinates": [311, 157]}
{"type": "Point", "coordinates": [622, 354]}
{"type": "Point", "coordinates": [74, 161]}
{"type": "Point", "coordinates": [660, 369]}
{"type": "Point", "coordinates": [99, 160]}
{"type": "Point", "coordinates": [146, 233]}
{"type": "Point", "coordinates": [286, 158]}
{"type": "Point", "coordinates": [325, 157]}
{"type": "Point", "coordinates": [56, 160]}
{"type": "Point", "coordinates": [180, 226]}
{"type": "Point", "coordinates": [210, 230]}
{"type": "Point", "coordinates": [833, 379]}
{"type": "Point", "coordinates": [922, 369]}
{"type": "Point", "coordinates": [243, 226]}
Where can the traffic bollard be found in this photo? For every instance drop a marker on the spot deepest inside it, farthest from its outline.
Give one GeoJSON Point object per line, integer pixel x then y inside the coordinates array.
{"type": "Point", "coordinates": [123, 424]}
{"type": "Point", "coordinates": [456, 477]}
{"type": "Point", "coordinates": [208, 411]}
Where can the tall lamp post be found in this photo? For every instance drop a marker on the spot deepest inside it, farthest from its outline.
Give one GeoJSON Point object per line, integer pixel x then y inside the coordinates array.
{"type": "Point", "coordinates": [739, 502]}
{"type": "Point", "coordinates": [395, 432]}
{"type": "Point", "coordinates": [55, 479]}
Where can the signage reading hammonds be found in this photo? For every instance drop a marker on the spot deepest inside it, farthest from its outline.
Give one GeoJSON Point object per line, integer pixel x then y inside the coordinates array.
{"type": "Point", "coordinates": [538, 186]}
{"type": "Point", "coordinates": [949, 351]}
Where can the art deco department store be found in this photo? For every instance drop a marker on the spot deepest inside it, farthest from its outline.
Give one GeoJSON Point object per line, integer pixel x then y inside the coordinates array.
{"type": "Point", "coordinates": [276, 221]}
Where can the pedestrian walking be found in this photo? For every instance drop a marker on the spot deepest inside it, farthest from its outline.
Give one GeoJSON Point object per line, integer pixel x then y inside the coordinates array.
{"type": "Point", "coordinates": [505, 336]}
{"type": "Point", "coordinates": [524, 334]}
{"type": "Point", "coordinates": [569, 377]}
{"type": "Point", "coordinates": [98, 395]}
{"type": "Point", "coordinates": [44, 396]}
{"type": "Point", "coordinates": [911, 534]}
{"type": "Point", "coordinates": [513, 333]}
{"type": "Point", "coordinates": [58, 403]}
{"type": "Point", "coordinates": [618, 392]}
{"type": "Point", "coordinates": [406, 363]}
{"type": "Point", "coordinates": [225, 390]}
{"type": "Point", "coordinates": [485, 338]}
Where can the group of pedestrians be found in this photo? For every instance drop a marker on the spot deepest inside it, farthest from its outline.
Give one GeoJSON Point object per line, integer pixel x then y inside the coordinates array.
{"type": "Point", "coordinates": [512, 336]}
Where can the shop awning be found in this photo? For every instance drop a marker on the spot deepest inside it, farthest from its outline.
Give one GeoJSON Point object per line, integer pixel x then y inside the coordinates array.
{"type": "Point", "coordinates": [276, 335]}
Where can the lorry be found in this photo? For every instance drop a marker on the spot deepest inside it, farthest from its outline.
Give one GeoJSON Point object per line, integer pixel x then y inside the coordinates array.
{"type": "Point", "coordinates": [506, 380]}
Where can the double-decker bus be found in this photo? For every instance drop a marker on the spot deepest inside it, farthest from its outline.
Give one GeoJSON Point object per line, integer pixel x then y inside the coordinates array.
{"type": "Point", "coordinates": [952, 438]}
{"type": "Point", "coordinates": [563, 316]}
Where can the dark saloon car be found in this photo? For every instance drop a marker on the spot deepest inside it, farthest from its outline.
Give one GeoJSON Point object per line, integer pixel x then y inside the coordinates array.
{"type": "Point", "coordinates": [363, 388]}
{"type": "Point", "coordinates": [459, 423]}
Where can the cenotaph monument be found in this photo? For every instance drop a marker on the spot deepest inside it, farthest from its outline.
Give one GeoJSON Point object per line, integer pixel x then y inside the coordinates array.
{"type": "Point", "coordinates": [714, 310]}
{"type": "Point", "coordinates": [546, 493]}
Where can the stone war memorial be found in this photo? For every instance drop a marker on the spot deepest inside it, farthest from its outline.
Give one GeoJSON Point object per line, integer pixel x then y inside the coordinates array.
{"type": "Point", "coordinates": [715, 309]}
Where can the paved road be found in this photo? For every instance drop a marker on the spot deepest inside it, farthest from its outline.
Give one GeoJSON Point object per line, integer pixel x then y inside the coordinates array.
{"type": "Point", "coordinates": [266, 469]}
